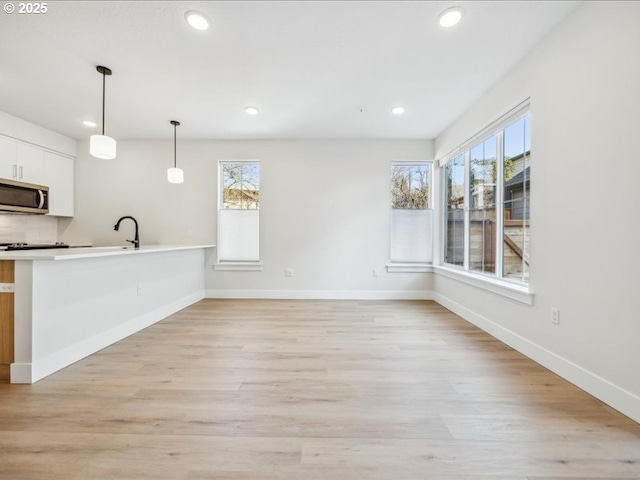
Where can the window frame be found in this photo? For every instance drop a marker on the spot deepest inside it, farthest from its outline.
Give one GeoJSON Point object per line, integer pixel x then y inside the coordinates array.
{"type": "Point", "coordinates": [412, 266]}
{"type": "Point", "coordinates": [416, 163]}
{"type": "Point", "coordinates": [236, 265]}
{"type": "Point", "coordinates": [221, 165]}
{"type": "Point", "coordinates": [497, 278]}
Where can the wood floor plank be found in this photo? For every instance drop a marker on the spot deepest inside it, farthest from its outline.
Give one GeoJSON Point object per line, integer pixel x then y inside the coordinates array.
{"type": "Point", "coordinates": [311, 390]}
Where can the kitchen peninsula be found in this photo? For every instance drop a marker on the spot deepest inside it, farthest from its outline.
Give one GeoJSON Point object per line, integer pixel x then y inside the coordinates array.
{"type": "Point", "coordinates": [70, 303]}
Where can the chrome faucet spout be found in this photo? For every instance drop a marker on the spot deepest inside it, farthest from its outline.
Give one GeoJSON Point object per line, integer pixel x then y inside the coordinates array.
{"type": "Point", "coordinates": [136, 240]}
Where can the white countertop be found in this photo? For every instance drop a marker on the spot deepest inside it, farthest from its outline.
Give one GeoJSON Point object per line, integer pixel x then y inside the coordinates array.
{"type": "Point", "coordinates": [91, 252]}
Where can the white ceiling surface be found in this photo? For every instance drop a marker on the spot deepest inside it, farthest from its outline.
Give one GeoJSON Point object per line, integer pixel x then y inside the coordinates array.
{"type": "Point", "coordinates": [329, 69]}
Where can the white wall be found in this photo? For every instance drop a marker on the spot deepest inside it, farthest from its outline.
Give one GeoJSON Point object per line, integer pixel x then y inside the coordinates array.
{"type": "Point", "coordinates": [324, 210]}
{"type": "Point", "coordinates": [583, 82]}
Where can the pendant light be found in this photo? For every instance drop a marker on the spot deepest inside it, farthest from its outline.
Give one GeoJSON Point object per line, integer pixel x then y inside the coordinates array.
{"type": "Point", "coordinates": [102, 146]}
{"type": "Point", "coordinates": [175, 174]}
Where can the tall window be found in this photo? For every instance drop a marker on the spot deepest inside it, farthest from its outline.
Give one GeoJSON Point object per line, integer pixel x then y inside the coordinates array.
{"type": "Point", "coordinates": [482, 206]}
{"type": "Point", "coordinates": [238, 212]}
{"type": "Point", "coordinates": [487, 197]}
{"type": "Point", "coordinates": [411, 214]}
{"type": "Point", "coordinates": [517, 226]}
{"type": "Point", "coordinates": [455, 230]}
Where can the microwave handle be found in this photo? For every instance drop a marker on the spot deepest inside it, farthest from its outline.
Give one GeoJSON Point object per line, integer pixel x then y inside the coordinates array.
{"type": "Point", "coordinates": [41, 195]}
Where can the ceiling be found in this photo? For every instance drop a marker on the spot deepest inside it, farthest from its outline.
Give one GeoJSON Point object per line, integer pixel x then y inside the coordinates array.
{"type": "Point", "coordinates": [316, 69]}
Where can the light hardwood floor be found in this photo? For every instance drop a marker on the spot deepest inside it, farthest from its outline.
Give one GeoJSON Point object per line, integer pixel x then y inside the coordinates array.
{"type": "Point", "coordinates": [311, 390]}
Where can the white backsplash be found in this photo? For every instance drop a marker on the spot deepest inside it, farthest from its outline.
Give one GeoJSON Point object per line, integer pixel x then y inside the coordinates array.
{"type": "Point", "coordinates": [28, 228]}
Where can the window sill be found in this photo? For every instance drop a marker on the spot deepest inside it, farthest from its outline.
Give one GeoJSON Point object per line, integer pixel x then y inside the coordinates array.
{"type": "Point", "coordinates": [239, 266]}
{"type": "Point", "coordinates": [409, 267]}
{"type": "Point", "coordinates": [519, 293]}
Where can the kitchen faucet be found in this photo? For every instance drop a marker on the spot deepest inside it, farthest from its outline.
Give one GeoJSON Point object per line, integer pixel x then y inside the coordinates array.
{"type": "Point", "coordinates": [136, 240]}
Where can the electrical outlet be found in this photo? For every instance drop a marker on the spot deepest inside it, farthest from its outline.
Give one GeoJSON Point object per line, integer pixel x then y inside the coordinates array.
{"type": "Point", "coordinates": [555, 315]}
{"type": "Point", "coordinates": [288, 273]}
{"type": "Point", "coordinates": [139, 290]}
{"type": "Point", "coordinates": [375, 272]}
{"type": "Point", "coordinates": [189, 233]}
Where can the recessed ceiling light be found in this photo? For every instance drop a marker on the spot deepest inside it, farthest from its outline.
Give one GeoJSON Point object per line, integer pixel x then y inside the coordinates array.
{"type": "Point", "coordinates": [450, 17]}
{"type": "Point", "coordinates": [197, 20]}
{"type": "Point", "coordinates": [90, 124]}
{"type": "Point", "coordinates": [398, 110]}
{"type": "Point", "coordinates": [252, 110]}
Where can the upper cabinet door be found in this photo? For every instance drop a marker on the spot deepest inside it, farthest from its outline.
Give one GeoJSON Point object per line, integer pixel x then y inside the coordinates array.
{"type": "Point", "coordinates": [30, 164]}
{"type": "Point", "coordinates": [8, 152]}
{"type": "Point", "coordinates": [59, 172]}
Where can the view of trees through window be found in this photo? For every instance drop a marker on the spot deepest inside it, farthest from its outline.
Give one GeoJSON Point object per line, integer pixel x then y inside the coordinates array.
{"type": "Point", "coordinates": [410, 186]}
{"type": "Point", "coordinates": [241, 186]}
{"type": "Point", "coordinates": [411, 214]}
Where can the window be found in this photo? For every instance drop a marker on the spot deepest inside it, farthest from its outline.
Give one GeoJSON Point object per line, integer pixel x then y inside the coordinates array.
{"type": "Point", "coordinates": [238, 212]}
{"type": "Point", "coordinates": [487, 197]}
{"type": "Point", "coordinates": [517, 226]}
{"type": "Point", "coordinates": [455, 229]}
{"type": "Point", "coordinates": [411, 213]}
{"type": "Point", "coordinates": [482, 206]}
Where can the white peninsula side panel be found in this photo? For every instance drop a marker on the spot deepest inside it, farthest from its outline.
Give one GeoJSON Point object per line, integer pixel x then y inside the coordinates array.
{"type": "Point", "coordinates": [67, 310]}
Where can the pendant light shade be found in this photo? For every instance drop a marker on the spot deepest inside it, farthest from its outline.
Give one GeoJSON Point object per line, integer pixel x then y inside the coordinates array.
{"type": "Point", "coordinates": [101, 146]}
{"type": "Point", "coordinates": [175, 174]}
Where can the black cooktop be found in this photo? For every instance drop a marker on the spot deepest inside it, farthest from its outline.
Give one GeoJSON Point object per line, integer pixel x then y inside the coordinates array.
{"type": "Point", "coordinates": [32, 246]}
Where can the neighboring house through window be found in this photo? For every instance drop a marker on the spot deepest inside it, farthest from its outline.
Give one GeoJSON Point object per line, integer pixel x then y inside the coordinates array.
{"type": "Point", "coordinates": [487, 197]}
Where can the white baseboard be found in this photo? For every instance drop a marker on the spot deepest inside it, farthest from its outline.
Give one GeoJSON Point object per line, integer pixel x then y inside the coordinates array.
{"type": "Point", "coordinates": [616, 397]}
{"type": "Point", "coordinates": [32, 372]}
{"type": "Point", "coordinates": [323, 294]}
{"type": "Point", "coordinates": [21, 373]}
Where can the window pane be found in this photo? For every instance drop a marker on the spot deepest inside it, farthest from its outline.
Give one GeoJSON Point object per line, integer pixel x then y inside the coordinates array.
{"type": "Point", "coordinates": [239, 215]}
{"type": "Point", "coordinates": [250, 186]}
{"type": "Point", "coordinates": [454, 241]}
{"type": "Point", "coordinates": [517, 226]}
{"type": "Point", "coordinates": [410, 186]}
{"type": "Point", "coordinates": [241, 186]}
{"type": "Point", "coordinates": [231, 175]}
{"type": "Point", "coordinates": [482, 210]}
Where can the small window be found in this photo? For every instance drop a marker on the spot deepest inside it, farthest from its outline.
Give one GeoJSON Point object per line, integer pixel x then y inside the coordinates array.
{"type": "Point", "coordinates": [410, 186]}
{"type": "Point", "coordinates": [411, 214]}
{"type": "Point", "coordinates": [239, 212]}
{"type": "Point", "coordinates": [241, 186]}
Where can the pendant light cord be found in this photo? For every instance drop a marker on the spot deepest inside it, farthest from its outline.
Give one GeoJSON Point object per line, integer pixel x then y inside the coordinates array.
{"type": "Point", "coordinates": [175, 148]}
{"type": "Point", "coordinates": [103, 96]}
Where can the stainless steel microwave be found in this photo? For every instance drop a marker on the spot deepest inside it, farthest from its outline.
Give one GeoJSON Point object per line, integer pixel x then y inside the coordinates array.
{"type": "Point", "coordinates": [23, 197]}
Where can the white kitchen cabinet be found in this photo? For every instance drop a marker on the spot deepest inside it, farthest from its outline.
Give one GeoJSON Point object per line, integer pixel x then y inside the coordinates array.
{"type": "Point", "coordinates": [21, 161]}
{"type": "Point", "coordinates": [8, 155]}
{"type": "Point", "coordinates": [32, 164]}
{"type": "Point", "coordinates": [59, 173]}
